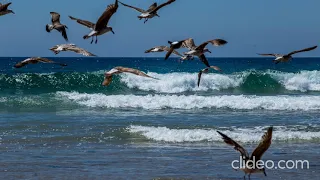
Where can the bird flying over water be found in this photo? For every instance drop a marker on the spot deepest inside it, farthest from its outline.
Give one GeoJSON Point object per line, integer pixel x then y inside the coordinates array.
{"type": "Point", "coordinates": [55, 19]}
{"type": "Point", "coordinates": [119, 70]}
{"type": "Point", "coordinates": [196, 50]}
{"type": "Point", "coordinates": [4, 9]}
{"type": "Point", "coordinates": [162, 49]}
{"type": "Point", "coordinates": [256, 155]}
{"type": "Point", "coordinates": [70, 47]}
{"type": "Point", "coordinates": [35, 60]}
{"type": "Point", "coordinates": [287, 57]}
{"type": "Point", "coordinates": [206, 70]}
{"type": "Point", "coordinates": [101, 25]}
{"type": "Point", "coordinates": [151, 12]}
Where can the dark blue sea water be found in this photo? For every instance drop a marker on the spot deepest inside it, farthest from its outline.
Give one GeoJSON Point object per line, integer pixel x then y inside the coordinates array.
{"type": "Point", "coordinates": [60, 123]}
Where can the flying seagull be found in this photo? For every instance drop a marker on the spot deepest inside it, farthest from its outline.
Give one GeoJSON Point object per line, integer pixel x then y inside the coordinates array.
{"type": "Point", "coordinates": [55, 19]}
{"type": "Point", "coordinates": [206, 70]}
{"type": "Point", "coordinates": [70, 47]}
{"type": "Point", "coordinates": [151, 12]}
{"type": "Point", "coordinates": [35, 60]}
{"type": "Point", "coordinates": [162, 49]}
{"type": "Point", "coordinates": [197, 50]}
{"type": "Point", "coordinates": [4, 9]}
{"type": "Point", "coordinates": [173, 45]}
{"type": "Point", "coordinates": [101, 25]}
{"type": "Point", "coordinates": [256, 155]}
{"type": "Point", "coordinates": [118, 70]}
{"type": "Point", "coordinates": [287, 57]}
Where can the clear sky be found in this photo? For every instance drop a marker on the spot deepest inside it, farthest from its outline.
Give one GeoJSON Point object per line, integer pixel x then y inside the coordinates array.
{"type": "Point", "coordinates": [250, 26]}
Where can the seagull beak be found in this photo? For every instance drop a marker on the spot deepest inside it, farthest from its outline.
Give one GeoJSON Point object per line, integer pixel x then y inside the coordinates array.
{"type": "Point", "coordinates": [112, 32]}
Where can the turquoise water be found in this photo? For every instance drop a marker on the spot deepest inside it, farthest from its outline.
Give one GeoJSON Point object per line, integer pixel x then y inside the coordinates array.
{"type": "Point", "coordinates": [61, 123]}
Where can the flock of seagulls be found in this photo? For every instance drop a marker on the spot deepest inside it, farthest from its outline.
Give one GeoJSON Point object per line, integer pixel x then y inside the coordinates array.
{"type": "Point", "coordinates": [101, 27]}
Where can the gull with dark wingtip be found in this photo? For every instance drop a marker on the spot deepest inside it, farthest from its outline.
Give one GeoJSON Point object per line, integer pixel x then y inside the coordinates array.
{"type": "Point", "coordinates": [4, 9]}
{"type": "Point", "coordinates": [55, 19]}
{"type": "Point", "coordinates": [166, 48]}
{"type": "Point", "coordinates": [101, 25]}
{"type": "Point", "coordinates": [70, 47]}
{"type": "Point", "coordinates": [206, 70]}
{"type": "Point", "coordinates": [119, 70]}
{"type": "Point", "coordinates": [287, 57]}
{"type": "Point", "coordinates": [151, 12]}
{"type": "Point", "coordinates": [197, 50]}
{"type": "Point", "coordinates": [256, 155]}
{"type": "Point", "coordinates": [35, 60]}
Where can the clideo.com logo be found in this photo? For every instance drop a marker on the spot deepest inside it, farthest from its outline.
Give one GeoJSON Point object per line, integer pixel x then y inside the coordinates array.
{"type": "Point", "coordinates": [242, 163]}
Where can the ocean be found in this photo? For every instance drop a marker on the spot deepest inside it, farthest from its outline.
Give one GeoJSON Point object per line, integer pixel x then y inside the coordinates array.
{"type": "Point", "coordinates": [61, 123]}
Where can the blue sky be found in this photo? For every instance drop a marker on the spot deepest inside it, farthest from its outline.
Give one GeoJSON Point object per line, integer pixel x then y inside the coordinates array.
{"type": "Point", "coordinates": [250, 26]}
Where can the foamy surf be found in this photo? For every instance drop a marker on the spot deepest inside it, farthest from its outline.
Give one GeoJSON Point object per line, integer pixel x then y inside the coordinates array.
{"type": "Point", "coordinates": [244, 135]}
{"type": "Point", "coordinates": [150, 102]}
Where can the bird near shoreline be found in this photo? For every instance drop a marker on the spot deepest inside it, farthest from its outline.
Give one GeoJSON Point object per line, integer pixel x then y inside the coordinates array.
{"type": "Point", "coordinates": [70, 47]}
{"type": "Point", "coordinates": [206, 70]}
{"type": "Point", "coordinates": [118, 70]}
{"type": "Point", "coordinates": [101, 26]}
{"type": "Point", "coordinates": [35, 60]}
{"type": "Point", "coordinates": [256, 155]}
{"type": "Point", "coordinates": [287, 57]}
{"type": "Point", "coordinates": [151, 12]}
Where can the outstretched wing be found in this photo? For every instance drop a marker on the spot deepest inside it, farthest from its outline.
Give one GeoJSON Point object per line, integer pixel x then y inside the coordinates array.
{"type": "Point", "coordinates": [263, 146]}
{"type": "Point", "coordinates": [105, 17]}
{"type": "Point", "coordinates": [166, 48]}
{"type": "Point", "coordinates": [204, 60]}
{"type": "Point", "coordinates": [83, 22]}
{"type": "Point", "coordinates": [5, 6]}
{"type": "Point", "coordinates": [303, 50]}
{"type": "Point", "coordinates": [189, 44]}
{"type": "Point", "coordinates": [152, 7]}
{"type": "Point", "coordinates": [199, 77]}
{"type": "Point", "coordinates": [275, 55]}
{"type": "Point", "coordinates": [237, 147]}
{"type": "Point", "coordinates": [133, 71]}
{"type": "Point", "coordinates": [218, 42]}
{"type": "Point", "coordinates": [55, 18]}
{"type": "Point", "coordinates": [162, 5]}
{"type": "Point", "coordinates": [137, 9]}
{"type": "Point", "coordinates": [80, 51]}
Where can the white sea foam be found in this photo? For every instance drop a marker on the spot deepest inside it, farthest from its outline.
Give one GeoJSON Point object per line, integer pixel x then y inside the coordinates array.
{"type": "Point", "coordinates": [245, 135]}
{"type": "Point", "coordinates": [241, 102]}
{"type": "Point", "coordinates": [302, 81]}
{"type": "Point", "coordinates": [181, 82]}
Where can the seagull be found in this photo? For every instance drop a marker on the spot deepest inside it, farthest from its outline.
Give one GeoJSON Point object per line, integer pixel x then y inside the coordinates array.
{"type": "Point", "coordinates": [70, 47]}
{"type": "Point", "coordinates": [101, 25]}
{"type": "Point", "coordinates": [120, 69]}
{"type": "Point", "coordinates": [173, 45]}
{"type": "Point", "coordinates": [196, 50]}
{"type": "Point", "coordinates": [256, 155]}
{"type": "Point", "coordinates": [161, 49]}
{"type": "Point", "coordinates": [4, 9]}
{"type": "Point", "coordinates": [151, 12]}
{"type": "Point", "coordinates": [35, 60]}
{"type": "Point", "coordinates": [287, 57]}
{"type": "Point", "coordinates": [55, 19]}
{"type": "Point", "coordinates": [206, 70]}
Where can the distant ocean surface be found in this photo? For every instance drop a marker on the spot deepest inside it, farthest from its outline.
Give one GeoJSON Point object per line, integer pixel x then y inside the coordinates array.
{"type": "Point", "coordinates": [61, 123]}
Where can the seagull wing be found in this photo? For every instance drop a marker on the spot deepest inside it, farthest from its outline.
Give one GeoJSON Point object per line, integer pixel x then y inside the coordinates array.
{"type": "Point", "coordinates": [303, 50]}
{"type": "Point", "coordinates": [199, 76]}
{"type": "Point", "coordinates": [137, 9]}
{"type": "Point", "coordinates": [217, 42]}
{"type": "Point", "coordinates": [203, 58]}
{"type": "Point", "coordinates": [5, 6]}
{"type": "Point", "coordinates": [189, 44]}
{"type": "Point", "coordinates": [83, 22]}
{"type": "Point", "coordinates": [105, 17]}
{"type": "Point", "coordinates": [55, 18]}
{"type": "Point", "coordinates": [169, 53]}
{"type": "Point", "coordinates": [152, 7]}
{"type": "Point", "coordinates": [237, 147]}
{"type": "Point", "coordinates": [45, 60]}
{"type": "Point", "coordinates": [80, 51]}
{"type": "Point", "coordinates": [166, 48]}
{"type": "Point", "coordinates": [162, 5]}
{"type": "Point", "coordinates": [133, 71]}
{"type": "Point", "coordinates": [63, 31]}
{"type": "Point", "coordinates": [275, 55]}
{"type": "Point", "coordinates": [25, 62]}
{"type": "Point", "coordinates": [263, 146]}
{"type": "Point", "coordinates": [107, 80]}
